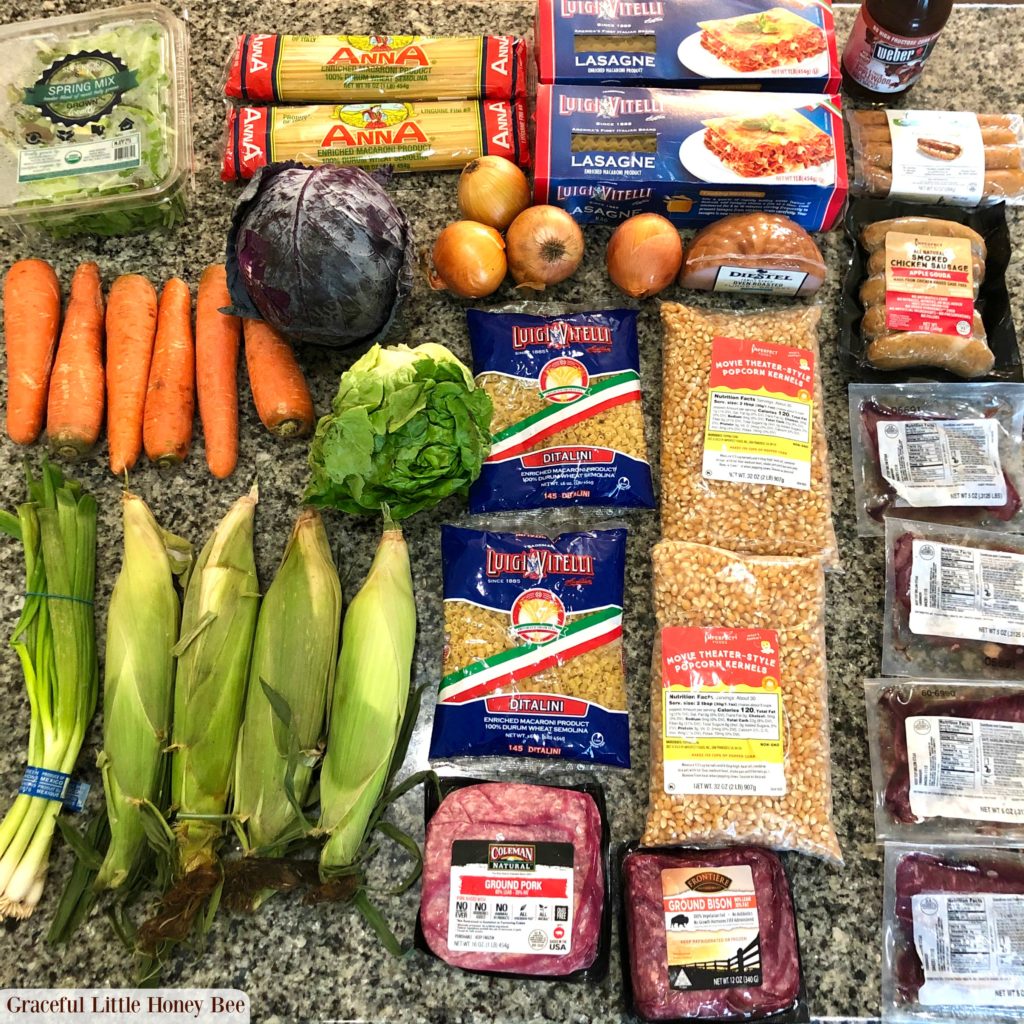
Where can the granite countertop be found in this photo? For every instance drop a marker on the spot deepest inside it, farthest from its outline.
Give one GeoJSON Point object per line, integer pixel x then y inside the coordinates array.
{"type": "Point", "coordinates": [303, 963]}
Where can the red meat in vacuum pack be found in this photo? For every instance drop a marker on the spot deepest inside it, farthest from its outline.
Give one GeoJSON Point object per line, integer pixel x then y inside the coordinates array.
{"type": "Point", "coordinates": [516, 815]}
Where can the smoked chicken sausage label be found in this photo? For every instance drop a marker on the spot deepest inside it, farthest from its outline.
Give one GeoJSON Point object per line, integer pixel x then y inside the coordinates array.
{"type": "Point", "coordinates": [929, 284]}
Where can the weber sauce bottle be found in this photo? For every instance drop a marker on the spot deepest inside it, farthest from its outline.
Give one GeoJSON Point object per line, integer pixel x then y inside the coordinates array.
{"type": "Point", "coordinates": [889, 44]}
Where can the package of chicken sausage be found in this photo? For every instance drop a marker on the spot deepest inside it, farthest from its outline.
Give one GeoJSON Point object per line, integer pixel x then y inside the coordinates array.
{"type": "Point", "coordinates": [925, 294]}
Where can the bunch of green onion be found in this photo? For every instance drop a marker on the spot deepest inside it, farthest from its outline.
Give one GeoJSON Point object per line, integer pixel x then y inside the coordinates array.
{"type": "Point", "coordinates": [55, 640]}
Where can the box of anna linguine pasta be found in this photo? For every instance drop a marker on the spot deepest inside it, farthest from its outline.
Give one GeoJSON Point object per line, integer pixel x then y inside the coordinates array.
{"type": "Point", "coordinates": [605, 154]}
{"type": "Point", "coordinates": [777, 45]}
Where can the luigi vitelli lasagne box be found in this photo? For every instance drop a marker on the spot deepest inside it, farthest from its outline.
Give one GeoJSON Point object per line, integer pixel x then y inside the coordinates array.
{"type": "Point", "coordinates": [779, 45]}
{"type": "Point", "coordinates": [605, 154]}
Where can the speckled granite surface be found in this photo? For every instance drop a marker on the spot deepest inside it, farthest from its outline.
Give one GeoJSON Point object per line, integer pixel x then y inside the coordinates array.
{"type": "Point", "coordinates": [301, 963]}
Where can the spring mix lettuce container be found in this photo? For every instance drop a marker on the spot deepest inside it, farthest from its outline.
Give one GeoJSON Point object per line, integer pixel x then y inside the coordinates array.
{"type": "Point", "coordinates": [95, 122]}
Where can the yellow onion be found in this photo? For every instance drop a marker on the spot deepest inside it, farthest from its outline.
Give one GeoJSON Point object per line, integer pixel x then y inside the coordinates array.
{"type": "Point", "coordinates": [493, 191]}
{"type": "Point", "coordinates": [545, 246]}
{"type": "Point", "coordinates": [644, 255]}
{"type": "Point", "coordinates": [469, 260]}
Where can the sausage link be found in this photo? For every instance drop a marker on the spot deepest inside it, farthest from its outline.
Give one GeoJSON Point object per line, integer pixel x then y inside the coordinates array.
{"type": "Point", "coordinates": [877, 117]}
{"type": "Point", "coordinates": [992, 135]}
{"type": "Point", "coordinates": [999, 184]}
{"type": "Point", "coordinates": [903, 350]}
{"type": "Point", "coordinates": [996, 157]}
{"type": "Point", "coordinates": [873, 235]}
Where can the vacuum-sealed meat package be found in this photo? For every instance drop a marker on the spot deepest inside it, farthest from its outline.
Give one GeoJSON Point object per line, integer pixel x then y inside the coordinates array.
{"type": "Point", "coordinates": [954, 602]}
{"type": "Point", "coordinates": [739, 702]}
{"type": "Point", "coordinates": [710, 935]}
{"type": "Point", "coordinates": [541, 848]}
{"type": "Point", "coordinates": [945, 453]}
{"type": "Point", "coordinates": [947, 760]}
{"type": "Point", "coordinates": [925, 295]}
{"type": "Point", "coordinates": [953, 935]}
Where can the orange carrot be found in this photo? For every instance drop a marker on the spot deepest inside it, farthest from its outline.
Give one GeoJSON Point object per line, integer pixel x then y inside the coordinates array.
{"type": "Point", "coordinates": [131, 328]}
{"type": "Point", "coordinates": [31, 321]}
{"type": "Point", "coordinates": [217, 338]}
{"type": "Point", "coordinates": [279, 390]}
{"type": "Point", "coordinates": [74, 412]}
{"type": "Point", "coordinates": [170, 395]}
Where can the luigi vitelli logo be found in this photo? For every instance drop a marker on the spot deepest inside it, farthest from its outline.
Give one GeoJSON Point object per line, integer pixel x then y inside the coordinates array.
{"type": "Point", "coordinates": [81, 87]}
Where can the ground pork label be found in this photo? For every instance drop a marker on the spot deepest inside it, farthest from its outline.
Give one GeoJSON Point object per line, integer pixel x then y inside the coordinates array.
{"type": "Point", "coordinates": [723, 718]}
{"type": "Point", "coordinates": [760, 403]}
{"type": "Point", "coordinates": [511, 897]}
{"type": "Point", "coordinates": [966, 768]}
{"type": "Point", "coordinates": [971, 948]}
{"type": "Point", "coordinates": [712, 931]}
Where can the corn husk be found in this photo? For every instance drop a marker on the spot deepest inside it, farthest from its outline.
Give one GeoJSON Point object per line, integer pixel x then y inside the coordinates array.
{"type": "Point", "coordinates": [371, 690]}
{"type": "Point", "coordinates": [138, 683]}
{"type": "Point", "coordinates": [294, 656]}
{"type": "Point", "coordinates": [217, 626]}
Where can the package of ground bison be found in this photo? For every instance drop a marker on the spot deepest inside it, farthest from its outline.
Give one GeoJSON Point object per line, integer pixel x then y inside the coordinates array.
{"type": "Point", "coordinates": [744, 459]}
{"type": "Point", "coordinates": [947, 453]}
{"type": "Point", "coordinates": [515, 878]}
{"type": "Point", "coordinates": [532, 663]}
{"type": "Point", "coordinates": [947, 760]}
{"type": "Point", "coordinates": [953, 935]}
{"type": "Point", "coordinates": [954, 602]}
{"type": "Point", "coordinates": [709, 935]}
{"type": "Point", "coordinates": [739, 702]}
{"type": "Point", "coordinates": [568, 421]}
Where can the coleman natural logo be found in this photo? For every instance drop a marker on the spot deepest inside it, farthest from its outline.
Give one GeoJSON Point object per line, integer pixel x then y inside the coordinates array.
{"type": "Point", "coordinates": [378, 51]}
{"type": "Point", "coordinates": [708, 881]}
{"type": "Point", "coordinates": [373, 124]}
{"type": "Point", "coordinates": [507, 857]}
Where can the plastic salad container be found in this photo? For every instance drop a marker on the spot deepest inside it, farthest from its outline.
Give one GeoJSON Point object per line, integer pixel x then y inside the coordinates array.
{"type": "Point", "coordinates": [95, 122]}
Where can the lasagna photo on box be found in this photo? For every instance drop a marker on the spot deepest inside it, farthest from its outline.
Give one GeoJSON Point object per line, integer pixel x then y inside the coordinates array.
{"type": "Point", "coordinates": [763, 39]}
{"type": "Point", "coordinates": [768, 143]}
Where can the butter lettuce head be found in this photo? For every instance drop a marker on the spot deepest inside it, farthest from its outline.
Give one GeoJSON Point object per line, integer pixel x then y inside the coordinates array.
{"type": "Point", "coordinates": [408, 429]}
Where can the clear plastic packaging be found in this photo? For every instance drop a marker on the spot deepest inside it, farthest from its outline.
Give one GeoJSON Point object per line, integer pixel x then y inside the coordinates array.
{"type": "Point", "coordinates": [568, 410]}
{"type": "Point", "coordinates": [96, 122]}
{"type": "Point", "coordinates": [684, 959]}
{"type": "Point", "coordinates": [753, 252]}
{"type": "Point", "coordinates": [953, 921]}
{"type": "Point", "coordinates": [947, 760]}
{"type": "Point", "coordinates": [533, 661]}
{"type": "Point", "coordinates": [948, 453]}
{"type": "Point", "coordinates": [954, 602]}
{"type": "Point", "coordinates": [753, 476]}
{"type": "Point", "coordinates": [939, 144]}
{"type": "Point", "coordinates": [739, 639]}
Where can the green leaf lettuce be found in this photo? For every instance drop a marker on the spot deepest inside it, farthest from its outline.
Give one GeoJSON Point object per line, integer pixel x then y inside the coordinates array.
{"type": "Point", "coordinates": [408, 428]}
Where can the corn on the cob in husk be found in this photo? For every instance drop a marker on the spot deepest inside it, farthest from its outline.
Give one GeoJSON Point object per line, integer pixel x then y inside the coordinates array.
{"type": "Point", "coordinates": [138, 683]}
{"type": "Point", "coordinates": [217, 625]}
{"type": "Point", "coordinates": [371, 689]}
{"type": "Point", "coordinates": [294, 654]}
